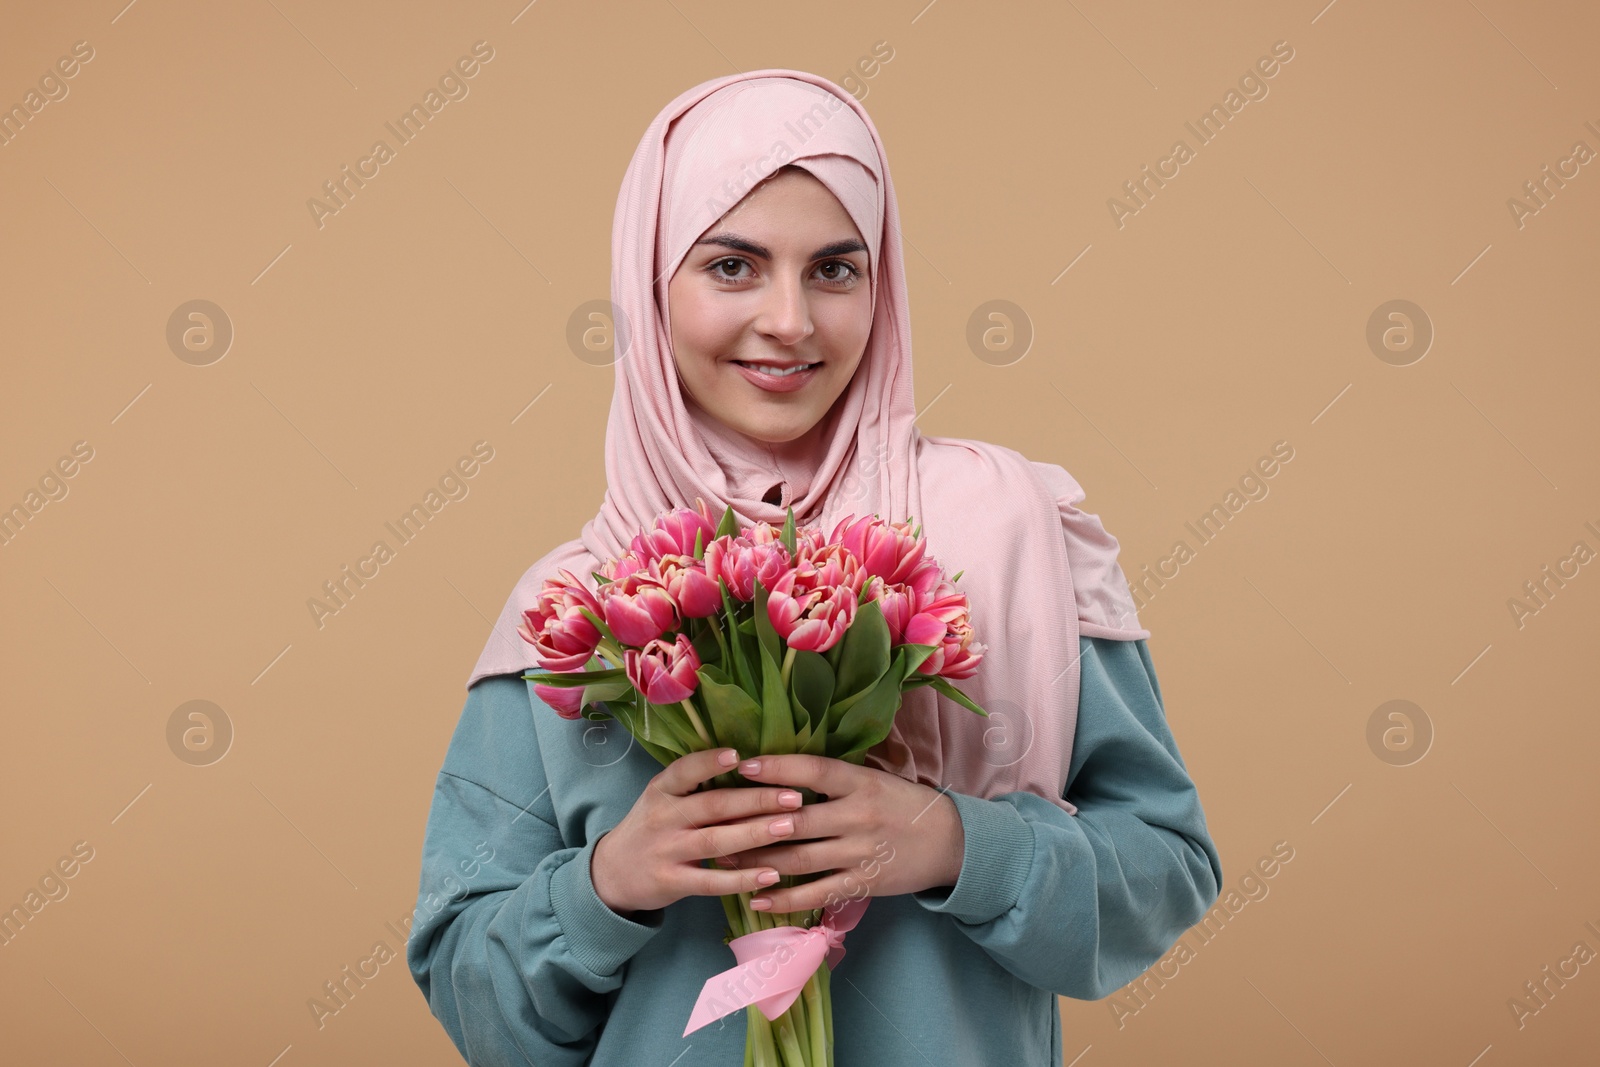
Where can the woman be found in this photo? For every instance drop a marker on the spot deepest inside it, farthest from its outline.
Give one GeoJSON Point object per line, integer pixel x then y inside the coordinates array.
{"type": "Point", "coordinates": [566, 915]}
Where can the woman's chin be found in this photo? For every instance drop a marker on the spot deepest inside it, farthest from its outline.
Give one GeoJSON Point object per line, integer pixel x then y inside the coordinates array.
{"type": "Point", "coordinates": [767, 435]}
{"type": "Point", "coordinates": [770, 433]}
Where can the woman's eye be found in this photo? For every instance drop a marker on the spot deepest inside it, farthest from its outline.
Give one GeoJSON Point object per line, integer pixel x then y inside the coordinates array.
{"type": "Point", "coordinates": [841, 270]}
{"type": "Point", "coordinates": [838, 272]}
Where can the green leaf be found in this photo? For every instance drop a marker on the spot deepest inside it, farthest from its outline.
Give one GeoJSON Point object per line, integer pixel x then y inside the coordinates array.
{"type": "Point", "coordinates": [661, 736]}
{"type": "Point", "coordinates": [735, 716]}
{"type": "Point", "coordinates": [811, 685]}
{"type": "Point", "coordinates": [741, 665]}
{"type": "Point", "coordinates": [717, 674]}
{"type": "Point", "coordinates": [915, 654]}
{"type": "Point", "coordinates": [714, 628]}
{"type": "Point", "coordinates": [729, 525]}
{"type": "Point", "coordinates": [764, 629]}
{"type": "Point", "coordinates": [568, 679]}
{"type": "Point", "coordinates": [752, 658]}
{"type": "Point", "coordinates": [677, 722]}
{"type": "Point", "coordinates": [606, 691]}
{"type": "Point", "coordinates": [944, 686]}
{"type": "Point", "coordinates": [599, 624]}
{"type": "Point", "coordinates": [777, 718]}
{"type": "Point", "coordinates": [705, 643]}
{"type": "Point", "coordinates": [598, 577]}
{"type": "Point", "coordinates": [865, 655]}
{"type": "Point", "coordinates": [837, 710]}
{"type": "Point", "coordinates": [699, 544]}
{"type": "Point", "coordinates": [870, 718]}
{"type": "Point", "coordinates": [787, 536]}
{"type": "Point", "coordinates": [816, 741]}
{"type": "Point", "coordinates": [627, 713]}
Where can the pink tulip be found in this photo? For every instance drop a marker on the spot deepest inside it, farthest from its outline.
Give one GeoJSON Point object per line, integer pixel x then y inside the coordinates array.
{"type": "Point", "coordinates": [686, 581]}
{"type": "Point", "coordinates": [674, 533]}
{"type": "Point", "coordinates": [812, 619]}
{"type": "Point", "coordinates": [563, 637]}
{"type": "Point", "coordinates": [763, 533]}
{"type": "Point", "coordinates": [739, 561]}
{"type": "Point", "coordinates": [944, 601]}
{"type": "Point", "coordinates": [565, 701]}
{"type": "Point", "coordinates": [638, 608]}
{"type": "Point", "coordinates": [885, 549]}
{"type": "Point", "coordinates": [664, 673]}
{"type": "Point", "coordinates": [829, 565]}
{"type": "Point", "coordinates": [809, 535]}
{"type": "Point", "coordinates": [899, 604]}
{"type": "Point", "coordinates": [614, 570]}
{"type": "Point", "coordinates": [925, 629]}
{"type": "Point", "coordinates": [958, 653]}
{"type": "Point", "coordinates": [957, 657]}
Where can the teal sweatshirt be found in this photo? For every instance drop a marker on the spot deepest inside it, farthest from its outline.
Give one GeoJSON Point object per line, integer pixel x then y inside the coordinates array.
{"type": "Point", "coordinates": [524, 964]}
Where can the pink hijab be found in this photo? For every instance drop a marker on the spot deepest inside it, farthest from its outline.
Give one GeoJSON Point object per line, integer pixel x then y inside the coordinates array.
{"type": "Point", "coordinates": [1038, 571]}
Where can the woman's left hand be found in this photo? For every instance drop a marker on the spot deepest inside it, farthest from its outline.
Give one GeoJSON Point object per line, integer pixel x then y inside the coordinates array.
{"type": "Point", "coordinates": [880, 834]}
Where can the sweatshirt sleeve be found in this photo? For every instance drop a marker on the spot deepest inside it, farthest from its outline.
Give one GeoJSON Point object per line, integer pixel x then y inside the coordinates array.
{"type": "Point", "coordinates": [511, 946]}
{"type": "Point", "coordinates": [1081, 905]}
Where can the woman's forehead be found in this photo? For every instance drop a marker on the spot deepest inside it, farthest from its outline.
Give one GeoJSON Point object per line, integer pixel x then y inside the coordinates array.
{"type": "Point", "coordinates": [743, 135]}
{"type": "Point", "coordinates": [790, 211]}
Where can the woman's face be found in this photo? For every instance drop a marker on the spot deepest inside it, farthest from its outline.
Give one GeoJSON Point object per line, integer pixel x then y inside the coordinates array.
{"type": "Point", "coordinates": [781, 279]}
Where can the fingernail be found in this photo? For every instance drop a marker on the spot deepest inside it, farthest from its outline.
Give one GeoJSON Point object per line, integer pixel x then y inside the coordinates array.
{"type": "Point", "coordinates": [728, 758]}
{"type": "Point", "coordinates": [767, 877]}
{"type": "Point", "coordinates": [781, 826]}
{"type": "Point", "coordinates": [789, 799]}
{"type": "Point", "coordinates": [760, 903]}
{"type": "Point", "coordinates": [750, 766]}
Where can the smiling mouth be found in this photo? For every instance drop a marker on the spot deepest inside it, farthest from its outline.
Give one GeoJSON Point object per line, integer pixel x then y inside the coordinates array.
{"type": "Point", "coordinates": [773, 372]}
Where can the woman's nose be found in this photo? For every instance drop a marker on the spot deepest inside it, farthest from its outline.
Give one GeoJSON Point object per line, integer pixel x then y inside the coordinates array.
{"type": "Point", "coordinates": [785, 314]}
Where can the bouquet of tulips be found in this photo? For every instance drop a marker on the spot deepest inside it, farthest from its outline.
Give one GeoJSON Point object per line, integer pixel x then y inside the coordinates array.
{"type": "Point", "coordinates": [768, 641]}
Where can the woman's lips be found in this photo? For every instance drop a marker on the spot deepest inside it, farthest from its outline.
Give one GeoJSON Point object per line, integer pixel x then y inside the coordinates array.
{"type": "Point", "coordinates": [786, 383]}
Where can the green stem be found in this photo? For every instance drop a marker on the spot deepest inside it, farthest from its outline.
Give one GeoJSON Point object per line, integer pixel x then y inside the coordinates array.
{"type": "Point", "coordinates": [813, 998]}
{"type": "Point", "coordinates": [722, 642]}
{"type": "Point", "coordinates": [730, 906]}
{"type": "Point", "coordinates": [788, 664]}
{"type": "Point", "coordinates": [745, 920]}
{"type": "Point", "coordinates": [825, 980]}
{"type": "Point", "coordinates": [766, 1045]}
{"type": "Point", "coordinates": [792, 1053]}
{"type": "Point", "coordinates": [797, 1016]}
{"type": "Point", "coordinates": [699, 727]}
{"type": "Point", "coordinates": [803, 1035]}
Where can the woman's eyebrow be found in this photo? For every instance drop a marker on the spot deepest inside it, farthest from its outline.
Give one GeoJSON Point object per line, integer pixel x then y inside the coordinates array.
{"type": "Point", "coordinates": [743, 244]}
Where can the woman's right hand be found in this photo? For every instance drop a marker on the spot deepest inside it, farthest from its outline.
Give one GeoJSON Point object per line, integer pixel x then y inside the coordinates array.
{"type": "Point", "coordinates": [653, 856]}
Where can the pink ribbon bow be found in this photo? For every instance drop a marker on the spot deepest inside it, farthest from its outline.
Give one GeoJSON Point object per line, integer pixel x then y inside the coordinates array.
{"type": "Point", "coordinates": [774, 965]}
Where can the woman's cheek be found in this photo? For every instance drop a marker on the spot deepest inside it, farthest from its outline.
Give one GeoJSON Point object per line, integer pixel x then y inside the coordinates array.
{"type": "Point", "coordinates": [711, 331]}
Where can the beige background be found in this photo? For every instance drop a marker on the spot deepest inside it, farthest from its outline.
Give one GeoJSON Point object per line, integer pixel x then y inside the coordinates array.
{"type": "Point", "coordinates": [370, 353]}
